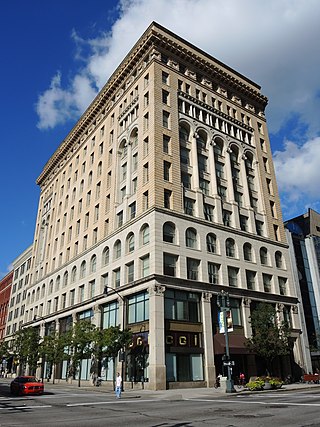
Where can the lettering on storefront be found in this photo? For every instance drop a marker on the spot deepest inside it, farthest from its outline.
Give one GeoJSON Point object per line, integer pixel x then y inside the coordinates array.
{"type": "Point", "coordinates": [182, 339]}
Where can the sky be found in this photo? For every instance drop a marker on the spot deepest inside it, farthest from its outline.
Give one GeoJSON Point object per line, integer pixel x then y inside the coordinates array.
{"type": "Point", "coordinates": [57, 54]}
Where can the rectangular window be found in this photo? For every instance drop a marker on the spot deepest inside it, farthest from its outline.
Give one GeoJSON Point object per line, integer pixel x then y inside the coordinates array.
{"type": "Point", "coordinates": [145, 173]}
{"type": "Point", "coordinates": [120, 218]}
{"type": "Point", "coordinates": [165, 78]}
{"type": "Point", "coordinates": [167, 199]}
{"type": "Point", "coordinates": [169, 264]}
{"type": "Point", "coordinates": [130, 272]}
{"type": "Point", "coordinates": [193, 269]}
{"type": "Point", "coordinates": [166, 119]}
{"type": "Point", "coordinates": [208, 212]}
{"type": "Point", "coordinates": [182, 306]}
{"type": "Point", "coordinates": [282, 285]}
{"type": "Point", "coordinates": [166, 144]}
{"type": "Point", "coordinates": [266, 282]}
{"type": "Point", "coordinates": [145, 268]}
{"type": "Point", "coordinates": [188, 206]}
{"type": "Point", "coordinates": [166, 170]}
{"type": "Point", "coordinates": [116, 278]}
{"type": "Point", "coordinates": [145, 200]}
{"type": "Point", "coordinates": [110, 315]}
{"type": "Point", "coordinates": [233, 276]}
{"type": "Point", "coordinates": [132, 210]}
{"type": "Point", "coordinates": [165, 96]}
{"type": "Point", "coordinates": [251, 279]}
{"type": "Point", "coordinates": [213, 273]}
{"type": "Point", "coordinates": [138, 308]}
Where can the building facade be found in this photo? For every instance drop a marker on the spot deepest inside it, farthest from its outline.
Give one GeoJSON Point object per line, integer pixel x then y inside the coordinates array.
{"type": "Point", "coordinates": [5, 292]}
{"type": "Point", "coordinates": [164, 191]}
{"type": "Point", "coordinates": [304, 240]}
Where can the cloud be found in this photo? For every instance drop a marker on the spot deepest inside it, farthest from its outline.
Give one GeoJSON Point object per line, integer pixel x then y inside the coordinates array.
{"type": "Point", "coordinates": [298, 175]}
{"type": "Point", "coordinates": [275, 43]}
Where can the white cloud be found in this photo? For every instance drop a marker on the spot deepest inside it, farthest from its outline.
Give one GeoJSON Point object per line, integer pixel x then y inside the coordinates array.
{"type": "Point", "coordinates": [298, 175]}
{"type": "Point", "coordinates": [275, 43]}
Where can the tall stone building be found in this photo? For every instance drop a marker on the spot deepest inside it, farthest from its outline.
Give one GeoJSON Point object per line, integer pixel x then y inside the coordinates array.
{"type": "Point", "coordinates": [165, 191]}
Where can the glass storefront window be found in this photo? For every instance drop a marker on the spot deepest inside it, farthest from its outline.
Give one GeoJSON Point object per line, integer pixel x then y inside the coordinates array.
{"type": "Point", "coordinates": [184, 367]}
{"type": "Point", "coordinates": [182, 306]}
{"type": "Point", "coordinates": [138, 308]}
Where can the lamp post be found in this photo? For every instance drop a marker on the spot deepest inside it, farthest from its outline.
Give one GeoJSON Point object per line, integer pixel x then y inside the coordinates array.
{"type": "Point", "coordinates": [223, 303]}
{"type": "Point", "coordinates": [122, 353]}
{"type": "Point", "coordinates": [43, 355]}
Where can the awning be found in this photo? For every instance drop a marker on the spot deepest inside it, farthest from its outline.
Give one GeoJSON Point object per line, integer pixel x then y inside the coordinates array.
{"type": "Point", "coordinates": [236, 344]}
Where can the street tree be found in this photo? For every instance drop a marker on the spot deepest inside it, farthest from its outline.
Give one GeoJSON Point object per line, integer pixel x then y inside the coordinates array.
{"type": "Point", "coordinates": [80, 338]}
{"type": "Point", "coordinates": [26, 346]}
{"type": "Point", "coordinates": [108, 342]}
{"type": "Point", "coordinates": [53, 351]}
{"type": "Point", "coordinates": [270, 338]}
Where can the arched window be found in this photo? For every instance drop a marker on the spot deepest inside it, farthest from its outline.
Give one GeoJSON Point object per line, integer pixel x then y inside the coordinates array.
{"type": "Point", "coordinates": [99, 170]}
{"type": "Point", "coordinates": [105, 256]}
{"type": "Point", "coordinates": [230, 248]}
{"type": "Point", "coordinates": [81, 186]}
{"type": "Point", "coordinates": [43, 289]}
{"type": "Point", "coordinates": [134, 138]}
{"type": "Point", "coordinates": [83, 269]}
{"type": "Point", "coordinates": [145, 234]}
{"type": "Point", "coordinates": [202, 140]}
{"type": "Point", "coordinates": [33, 296]}
{"type": "Point", "coordinates": [264, 256]}
{"type": "Point", "coordinates": [57, 283]}
{"type": "Point", "coordinates": [117, 249]}
{"type": "Point", "coordinates": [50, 287]}
{"type": "Point", "coordinates": [169, 231]}
{"type": "Point", "coordinates": [218, 147]}
{"type": "Point", "coordinates": [73, 274]}
{"type": "Point", "coordinates": [38, 294]}
{"type": "Point", "coordinates": [211, 243]}
{"type": "Point", "coordinates": [184, 131]}
{"type": "Point", "coordinates": [279, 260]}
{"type": "Point", "coordinates": [130, 242]}
{"type": "Point", "coordinates": [191, 238]}
{"type": "Point", "coordinates": [93, 264]}
{"type": "Point", "coordinates": [65, 279]}
{"type": "Point", "coordinates": [247, 252]}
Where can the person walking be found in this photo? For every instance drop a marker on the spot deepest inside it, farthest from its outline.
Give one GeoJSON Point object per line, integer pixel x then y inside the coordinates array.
{"type": "Point", "coordinates": [118, 385]}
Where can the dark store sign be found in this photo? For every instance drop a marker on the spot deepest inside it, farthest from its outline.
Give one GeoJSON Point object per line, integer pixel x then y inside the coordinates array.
{"type": "Point", "coordinates": [182, 339]}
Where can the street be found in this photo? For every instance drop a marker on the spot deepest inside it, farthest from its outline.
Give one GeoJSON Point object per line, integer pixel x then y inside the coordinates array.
{"type": "Point", "coordinates": [69, 406]}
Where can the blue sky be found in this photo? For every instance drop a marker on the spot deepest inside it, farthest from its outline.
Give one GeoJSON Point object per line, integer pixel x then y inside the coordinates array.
{"type": "Point", "coordinates": [56, 55]}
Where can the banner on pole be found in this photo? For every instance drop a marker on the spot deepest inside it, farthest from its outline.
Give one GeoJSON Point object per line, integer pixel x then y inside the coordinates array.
{"type": "Point", "coordinates": [221, 321]}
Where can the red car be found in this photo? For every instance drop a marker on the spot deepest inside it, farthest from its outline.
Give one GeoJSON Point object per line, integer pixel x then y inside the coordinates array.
{"type": "Point", "coordinates": [26, 385]}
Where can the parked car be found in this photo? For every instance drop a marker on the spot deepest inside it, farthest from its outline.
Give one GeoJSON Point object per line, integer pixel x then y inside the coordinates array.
{"type": "Point", "coordinates": [26, 385]}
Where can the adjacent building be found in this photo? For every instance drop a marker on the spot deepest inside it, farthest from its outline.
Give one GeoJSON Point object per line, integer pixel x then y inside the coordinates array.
{"type": "Point", "coordinates": [303, 233]}
{"type": "Point", "coordinates": [161, 196]}
{"type": "Point", "coordinates": [5, 292]}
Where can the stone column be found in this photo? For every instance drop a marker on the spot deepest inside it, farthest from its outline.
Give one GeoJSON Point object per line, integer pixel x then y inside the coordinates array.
{"type": "Point", "coordinates": [209, 366]}
{"type": "Point", "coordinates": [157, 363]}
{"type": "Point", "coordinates": [245, 311]}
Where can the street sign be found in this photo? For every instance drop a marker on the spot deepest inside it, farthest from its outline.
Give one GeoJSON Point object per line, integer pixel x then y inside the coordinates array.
{"type": "Point", "coordinates": [229, 363]}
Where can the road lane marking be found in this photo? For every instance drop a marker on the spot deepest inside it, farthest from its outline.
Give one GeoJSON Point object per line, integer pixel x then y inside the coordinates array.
{"type": "Point", "coordinates": [257, 402]}
{"type": "Point", "coordinates": [25, 407]}
{"type": "Point", "coordinates": [111, 401]}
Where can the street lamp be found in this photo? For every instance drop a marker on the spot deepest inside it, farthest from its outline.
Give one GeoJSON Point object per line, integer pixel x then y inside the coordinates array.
{"type": "Point", "coordinates": [122, 353]}
{"type": "Point", "coordinates": [223, 303]}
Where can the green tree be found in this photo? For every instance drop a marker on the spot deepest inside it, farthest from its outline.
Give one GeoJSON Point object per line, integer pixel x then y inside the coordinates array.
{"type": "Point", "coordinates": [81, 338]}
{"type": "Point", "coordinates": [108, 342]}
{"type": "Point", "coordinates": [53, 351]}
{"type": "Point", "coordinates": [26, 346]}
{"type": "Point", "coordinates": [270, 338]}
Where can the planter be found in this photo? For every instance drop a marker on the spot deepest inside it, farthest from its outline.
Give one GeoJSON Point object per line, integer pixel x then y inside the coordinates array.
{"type": "Point", "coordinates": [267, 386]}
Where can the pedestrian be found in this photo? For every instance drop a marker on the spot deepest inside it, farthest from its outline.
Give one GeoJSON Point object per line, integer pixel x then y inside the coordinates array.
{"type": "Point", "coordinates": [118, 385]}
{"type": "Point", "coordinates": [242, 378]}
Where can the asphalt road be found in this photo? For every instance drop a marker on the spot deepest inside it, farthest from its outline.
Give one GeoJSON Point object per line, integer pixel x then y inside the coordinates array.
{"type": "Point", "coordinates": [63, 406]}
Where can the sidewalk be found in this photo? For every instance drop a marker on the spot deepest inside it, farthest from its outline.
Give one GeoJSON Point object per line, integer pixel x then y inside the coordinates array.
{"type": "Point", "coordinates": [187, 393]}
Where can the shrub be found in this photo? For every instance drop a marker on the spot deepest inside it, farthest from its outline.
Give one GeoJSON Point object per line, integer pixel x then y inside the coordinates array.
{"type": "Point", "coordinates": [255, 385]}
